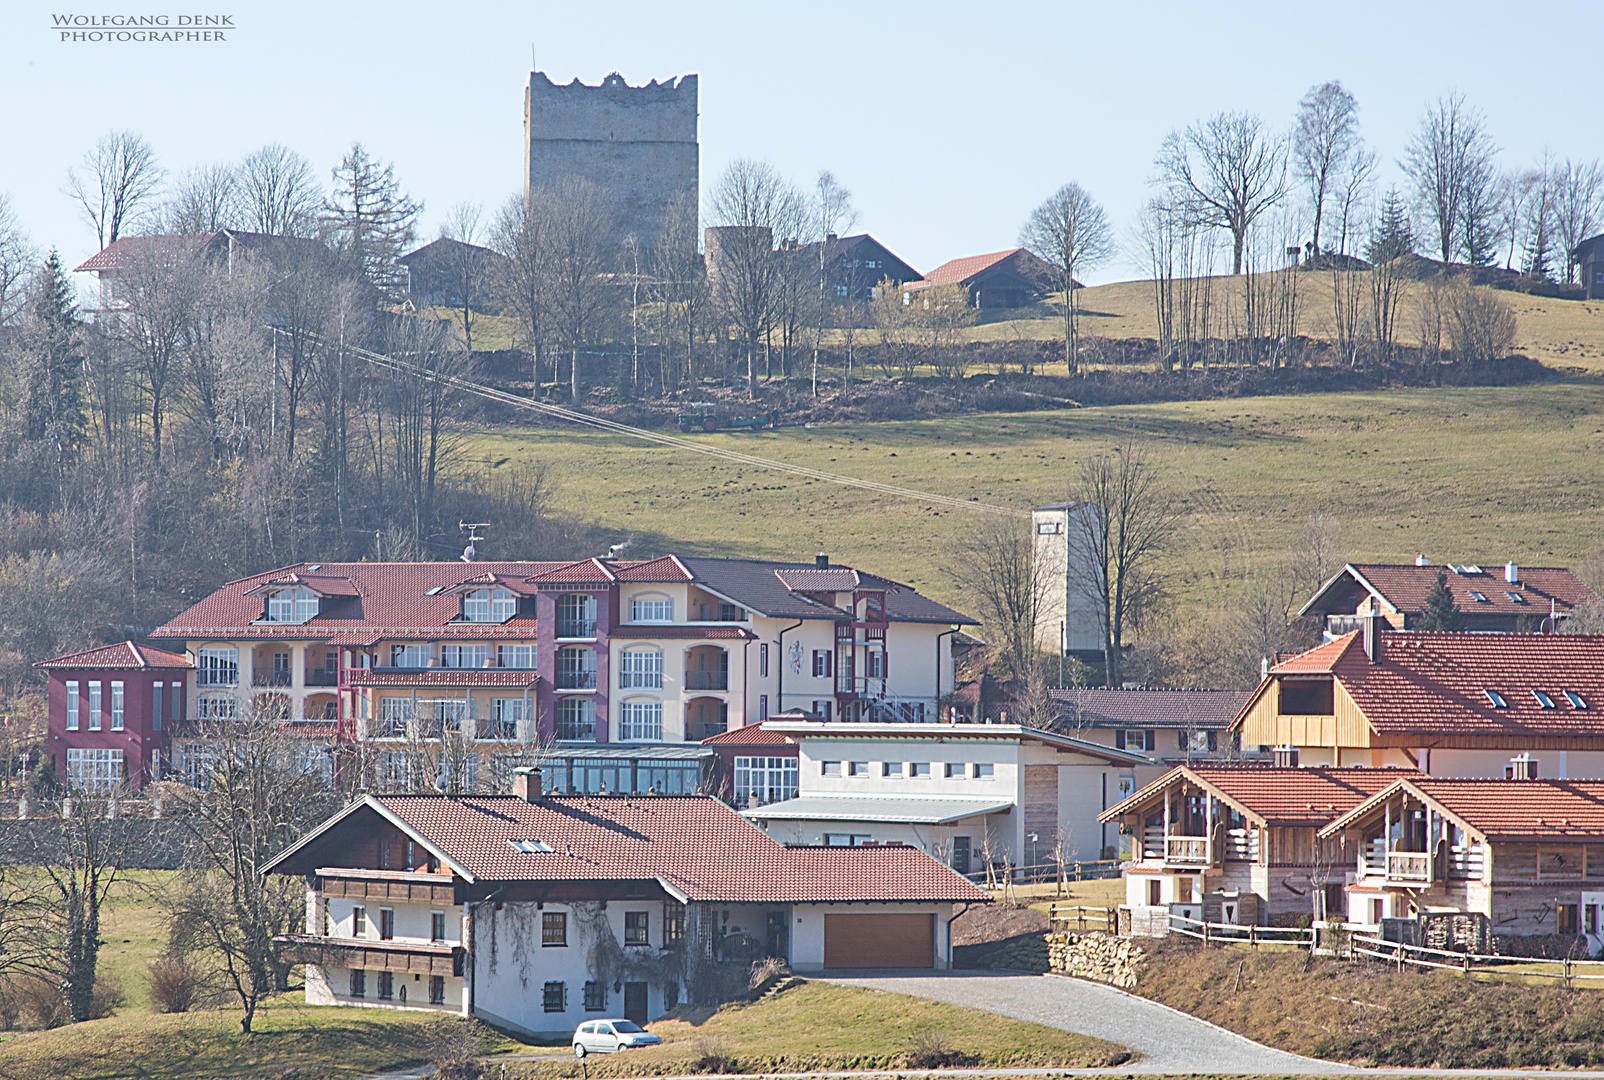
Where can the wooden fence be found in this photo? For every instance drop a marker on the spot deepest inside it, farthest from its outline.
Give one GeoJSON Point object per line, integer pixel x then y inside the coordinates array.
{"type": "Point", "coordinates": [1090, 870]}
{"type": "Point", "coordinates": [1079, 918]}
{"type": "Point", "coordinates": [1566, 970]}
{"type": "Point", "coordinates": [1227, 933]}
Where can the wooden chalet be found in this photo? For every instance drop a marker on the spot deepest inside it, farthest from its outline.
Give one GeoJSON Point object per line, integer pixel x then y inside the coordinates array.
{"type": "Point", "coordinates": [1237, 843]}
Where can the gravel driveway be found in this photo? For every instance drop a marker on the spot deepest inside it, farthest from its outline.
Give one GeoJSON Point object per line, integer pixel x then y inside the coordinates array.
{"type": "Point", "coordinates": [1168, 1041]}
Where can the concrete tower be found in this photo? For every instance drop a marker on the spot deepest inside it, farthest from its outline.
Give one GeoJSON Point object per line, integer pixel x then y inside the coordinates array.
{"type": "Point", "coordinates": [636, 143]}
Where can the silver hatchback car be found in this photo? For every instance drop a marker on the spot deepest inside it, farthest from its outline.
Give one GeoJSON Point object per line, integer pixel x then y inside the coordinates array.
{"type": "Point", "coordinates": [608, 1036]}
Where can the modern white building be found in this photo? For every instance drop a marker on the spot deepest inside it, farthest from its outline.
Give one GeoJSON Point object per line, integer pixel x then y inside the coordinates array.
{"type": "Point", "coordinates": [964, 793]}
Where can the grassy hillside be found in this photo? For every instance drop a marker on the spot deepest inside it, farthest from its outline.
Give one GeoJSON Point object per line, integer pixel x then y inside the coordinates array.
{"type": "Point", "coordinates": [1456, 473]}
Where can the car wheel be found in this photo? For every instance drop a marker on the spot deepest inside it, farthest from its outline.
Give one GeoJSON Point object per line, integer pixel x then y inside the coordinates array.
{"type": "Point", "coordinates": [579, 1050]}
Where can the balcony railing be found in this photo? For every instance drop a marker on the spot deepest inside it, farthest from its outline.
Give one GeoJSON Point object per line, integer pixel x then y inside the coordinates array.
{"type": "Point", "coordinates": [707, 680]}
{"type": "Point", "coordinates": [1337, 625]}
{"type": "Point", "coordinates": [1187, 850]}
{"type": "Point", "coordinates": [700, 731]}
{"type": "Point", "coordinates": [1242, 845]}
{"type": "Point", "coordinates": [576, 628]}
{"type": "Point", "coordinates": [271, 678]}
{"type": "Point", "coordinates": [576, 680]}
{"type": "Point", "coordinates": [576, 730]}
{"type": "Point", "coordinates": [322, 677]}
{"type": "Point", "coordinates": [1409, 866]}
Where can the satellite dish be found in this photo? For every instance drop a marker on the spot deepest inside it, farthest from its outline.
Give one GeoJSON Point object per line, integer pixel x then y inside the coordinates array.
{"type": "Point", "coordinates": [468, 553]}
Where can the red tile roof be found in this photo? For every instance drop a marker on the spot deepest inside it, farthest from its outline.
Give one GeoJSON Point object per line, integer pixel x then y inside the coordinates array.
{"type": "Point", "coordinates": [666, 568]}
{"type": "Point", "coordinates": [124, 654]}
{"type": "Point", "coordinates": [664, 633]}
{"type": "Point", "coordinates": [957, 271]}
{"type": "Point", "coordinates": [322, 584]}
{"type": "Point", "coordinates": [1278, 796]}
{"type": "Point", "coordinates": [458, 677]}
{"type": "Point", "coordinates": [834, 579]}
{"type": "Point", "coordinates": [585, 571]}
{"type": "Point", "coordinates": [1502, 810]}
{"type": "Point", "coordinates": [750, 735]}
{"type": "Point", "coordinates": [1434, 683]}
{"type": "Point", "coordinates": [694, 844]}
{"type": "Point", "coordinates": [1404, 587]}
{"type": "Point", "coordinates": [125, 248]}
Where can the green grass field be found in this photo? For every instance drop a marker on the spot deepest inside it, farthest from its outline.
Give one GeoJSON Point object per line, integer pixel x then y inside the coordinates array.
{"type": "Point", "coordinates": [823, 1026]}
{"type": "Point", "coordinates": [1457, 474]}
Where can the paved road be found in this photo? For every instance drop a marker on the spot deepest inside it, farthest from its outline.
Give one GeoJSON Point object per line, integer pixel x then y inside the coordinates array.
{"type": "Point", "coordinates": [1166, 1040]}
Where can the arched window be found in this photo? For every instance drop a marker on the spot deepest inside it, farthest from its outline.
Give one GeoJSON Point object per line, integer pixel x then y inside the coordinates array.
{"type": "Point", "coordinates": [291, 605]}
{"type": "Point", "coordinates": [640, 669]}
{"type": "Point", "coordinates": [488, 605]}
{"type": "Point", "coordinates": [576, 616]}
{"type": "Point", "coordinates": [651, 608]}
{"type": "Point", "coordinates": [642, 721]}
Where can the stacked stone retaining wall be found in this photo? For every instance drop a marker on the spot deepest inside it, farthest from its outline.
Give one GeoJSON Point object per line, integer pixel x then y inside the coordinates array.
{"type": "Point", "coordinates": [1098, 957]}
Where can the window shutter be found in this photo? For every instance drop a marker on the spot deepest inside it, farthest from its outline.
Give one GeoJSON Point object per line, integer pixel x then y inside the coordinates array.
{"type": "Point", "coordinates": [1119, 739]}
{"type": "Point", "coordinates": [1152, 739]}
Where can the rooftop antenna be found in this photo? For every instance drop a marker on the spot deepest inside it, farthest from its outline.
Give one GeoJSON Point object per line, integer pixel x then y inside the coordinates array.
{"type": "Point", "coordinates": [472, 529]}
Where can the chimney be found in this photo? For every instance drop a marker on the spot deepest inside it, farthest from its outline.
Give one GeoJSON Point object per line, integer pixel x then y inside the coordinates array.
{"type": "Point", "coordinates": [1374, 628]}
{"type": "Point", "coordinates": [829, 236]}
{"type": "Point", "coordinates": [1521, 767]}
{"type": "Point", "coordinates": [1512, 573]}
{"type": "Point", "coordinates": [822, 561]}
{"type": "Point", "coordinates": [1421, 560]}
{"type": "Point", "coordinates": [1286, 757]}
{"type": "Point", "coordinates": [526, 783]}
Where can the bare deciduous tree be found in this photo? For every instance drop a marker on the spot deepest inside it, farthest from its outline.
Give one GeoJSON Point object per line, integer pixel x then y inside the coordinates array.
{"type": "Point", "coordinates": [681, 281]}
{"type": "Point", "coordinates": [1578, 189]}
{"type": "Point", "coordinates": [751, 206]}
{"type": "Point", "coordinates": [278, 193]}
{"type": "Point", "coordinates": [1449, 159]}
{"type": "Point", "coordinates": [204, 200]}
{"type": "Point", "coordinates": [16, 256]}
{"type": "Point", "coordinates": [999, 569]}
{"type": "Point", "coordinates": [1070, 233]}
{"type": "Point", "coordinates": [1481, 326]}
{"type": "Point", "coordinates": [519, 235]}
{"type": "Point", "coordinates": [1225, 172]}
{"type": "Point", "coordinates": [833, 214]}
{"type": "Point", "coordinates": [120, 178]}
{"type": "Point", "coordinates": [1325, 138]}
{"type": "Point", "coordinates": [467, 263]}
{"type": "Point", "coordinates": [1117, 543]}
{"type": "Point", "coordinates": [578, 220]}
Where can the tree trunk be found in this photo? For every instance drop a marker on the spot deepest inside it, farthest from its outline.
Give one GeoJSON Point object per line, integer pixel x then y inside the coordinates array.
{"type": "Point", "coordinates": [573, 376]}
{"type": "Point", "coordinates": [751, 367]}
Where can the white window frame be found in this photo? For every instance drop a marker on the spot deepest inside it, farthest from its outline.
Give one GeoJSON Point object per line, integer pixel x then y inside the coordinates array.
{"type": "Point", "coordinates": [505, 711]}
{"type": "Point", "coordinates": [641, 720]}
{"type": "Point", "coordinates": [520, 657]}
{"type": "Point", "coordinates": [96, 770]}
{"type": "Point", "coordinates": [464, 657]}
{"type": "Point", "coordinates": [585, 706]}
{"type": "Point", "coordinates": [74, 705]}
{"type": "Point", "coordinates": [640, 668]}
{"type": "Point", "coordinates": [393, 712]}
{"type": "Point", "coordinates": [415, 655]}
{"type": "Point", "coordinates": [757, 778]}
{"type": "Point", "coordinates": [217, 707]}
{"type": "Point", "coordinates": [297, 605]}
{"type": "Point", "coordinates": [95, 705]}
{"type": "Point", "coordinates": [217, 667]}
{"type": "Point", "coordinates": [651, 608]}
{"type": "Point", "coordinates": [489, 605]}
{"type": "Point", "coordinates": [118, 704]}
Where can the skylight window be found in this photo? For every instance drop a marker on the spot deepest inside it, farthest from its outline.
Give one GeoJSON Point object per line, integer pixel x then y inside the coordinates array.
{"type": "Point", "coordinates": [1574, 698]}
{"type": "Point", "coordinates": [1543, 699]}
{"type": "Point", "coordinates": [532, 847]}
{"type": "Point", "coordinates": [1496, 698]}
{"type": "Point", "coordinates": [1465, 569]}
{"type": "Point", "coordinates": [315, 566]}
{"type": "Point", "coordinates": [433, 590]}
{"type": "Point", "coordinates": [1480, 598]}
{"type": "Point", "coordinates": [1515, 597]}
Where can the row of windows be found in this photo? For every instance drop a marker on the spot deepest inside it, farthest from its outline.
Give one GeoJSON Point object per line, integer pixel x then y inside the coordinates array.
{"type": "Point", "coordinates": [96, 700]}
{"type": "Point", "coordinates": [95, 770]}
{"type": "Point", "coordinates": [386, 923]}
{"type": "Point", "coordinates": [554, 997]}
{"type": "Point", "coordinates": [637, 927]}
{"type": "Point", "coordinates": [387, 988]}
{"type": "Point", "coordinates": [952, 770]}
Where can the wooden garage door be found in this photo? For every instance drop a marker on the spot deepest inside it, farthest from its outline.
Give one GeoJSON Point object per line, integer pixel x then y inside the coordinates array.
{"type": "Point", "coordinates": [885, 940]}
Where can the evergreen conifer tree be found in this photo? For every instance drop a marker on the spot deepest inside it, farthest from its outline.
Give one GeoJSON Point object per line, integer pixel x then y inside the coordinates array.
{"type": "Point", "coordinates": [1394, 235]}
{"type": "Point", "coordinates": [1439, 612]}
{"type": "Point", "coordinates": [51, 362]}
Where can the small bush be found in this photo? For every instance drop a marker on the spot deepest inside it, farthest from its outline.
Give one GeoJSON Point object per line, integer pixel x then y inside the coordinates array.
{"type": "Point", "coordinates": [108, 996]}
{"type": "Point", "coordinates": [454, 1049]}
{"type": "Point", "coordinates": [770, 967]}
{"type": "Point", "coordinates": [931, 1049]}
{"type": "Point", "coordinates": [710, 1057]}
{"type": "Point", "coordinates": [175, 984]}
{"type": "Point", "coordinates": [38, 1003]}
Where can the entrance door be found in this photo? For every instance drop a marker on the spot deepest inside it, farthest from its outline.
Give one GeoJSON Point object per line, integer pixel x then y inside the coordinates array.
{"type": "Point", "coordinates": [776, 940]}
{"type": "Point", "coordinates": [1592, 927]}
{"type": "Point", "coordinates": [635, 1002]}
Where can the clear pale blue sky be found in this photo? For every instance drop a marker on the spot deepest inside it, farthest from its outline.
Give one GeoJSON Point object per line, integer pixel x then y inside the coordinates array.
{"type": "Point", "coordinates": [949, 121]}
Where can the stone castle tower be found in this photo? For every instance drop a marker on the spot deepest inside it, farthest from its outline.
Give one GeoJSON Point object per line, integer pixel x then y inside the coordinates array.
{"type": "Point", "coordinates": [637, 143]}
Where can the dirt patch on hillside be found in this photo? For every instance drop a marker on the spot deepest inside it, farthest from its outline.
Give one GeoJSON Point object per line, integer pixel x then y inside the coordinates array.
{"type": "Point", "coordinates": [1371, 1014]}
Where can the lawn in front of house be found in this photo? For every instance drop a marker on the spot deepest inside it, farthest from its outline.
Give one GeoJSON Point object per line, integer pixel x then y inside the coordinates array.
{"type": "Point", "coordinates": [817, 1025]}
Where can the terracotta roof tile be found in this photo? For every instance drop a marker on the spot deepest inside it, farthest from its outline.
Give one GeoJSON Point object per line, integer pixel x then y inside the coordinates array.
{"type": "Point", "coordinates": [125, 248]}
{"type": "Point", "coordinates": [1405, 588]}
{"type": "Point", "coordinates": [696, 844]}
{"type": "Point", "coordinates": [1504, 810]}
{"type": "Point", "coordinates": [813, 579]}
{"type": "Point", "coordinates": [666, 568]}
{"type": "Point", "coordinates": [1438, 683]}
{"type": "Point", "coordinates": [585, 571]}
{"type": "Point", "coordinates": [1278, 795]}
{"type": "Point", "coordinates": [750, 735]}
{"type": "Point", "coordinates": [956, 271]}
{"type": "Point", "coordinates": [124, 654]}
{"type": "Point", "coordinates": [642, 632]}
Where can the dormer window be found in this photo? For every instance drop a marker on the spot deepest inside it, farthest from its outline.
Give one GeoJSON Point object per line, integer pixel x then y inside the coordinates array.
{"type": "Point", "coordinates": [488, 605]}
{"type": "Point", "coordinates": [295, 605]}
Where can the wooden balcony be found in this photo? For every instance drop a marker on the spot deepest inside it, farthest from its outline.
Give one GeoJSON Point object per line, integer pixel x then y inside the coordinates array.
{"type": "Point", "coordinates": [402, 956]}
{"type": "Point", "coordinates": [1188, 851]}
{"type": "Point", "coordinates": [1406, 869]}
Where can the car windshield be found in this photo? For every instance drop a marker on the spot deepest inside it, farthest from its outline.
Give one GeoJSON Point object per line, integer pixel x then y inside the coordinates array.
{"type": "Point", "coordinates": [627, 1027]}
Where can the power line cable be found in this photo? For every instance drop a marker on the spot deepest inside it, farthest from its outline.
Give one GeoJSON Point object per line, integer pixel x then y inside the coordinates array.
{"type": "Point", "coordinates": [390, 363]}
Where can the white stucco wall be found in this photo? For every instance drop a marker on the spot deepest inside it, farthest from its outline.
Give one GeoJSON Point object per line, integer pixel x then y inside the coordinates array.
{"type": "Point", "coordinates": [807, 929]}
{"type": "Point", "coordinates": [1551, 764]}
{"type": "Point", "coordinates": [332, 986]}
